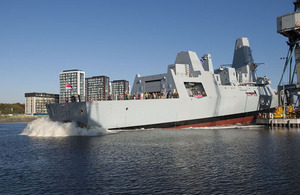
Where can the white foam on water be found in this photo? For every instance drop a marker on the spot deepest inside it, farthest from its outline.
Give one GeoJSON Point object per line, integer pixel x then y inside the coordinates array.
{"type": "Point", "coordinates": [44, 127]}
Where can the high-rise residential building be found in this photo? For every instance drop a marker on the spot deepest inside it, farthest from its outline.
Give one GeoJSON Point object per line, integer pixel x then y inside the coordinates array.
{"type": "Point", "coordinates": [71, 83]}
{"type": "Point", "coordinates": [119, 88]}
{"type": "Point", "coordinates": [35, 103]}
{"type": "Point", "coordinates": [97, 88]}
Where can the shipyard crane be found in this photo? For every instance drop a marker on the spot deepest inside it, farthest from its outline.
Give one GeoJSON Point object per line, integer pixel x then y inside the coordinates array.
{"type": "Point", "coordinates": [288, 25]}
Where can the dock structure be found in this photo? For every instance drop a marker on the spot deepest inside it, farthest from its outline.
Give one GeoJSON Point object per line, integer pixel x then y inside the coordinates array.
{"type": "Point", "coordinates": [288, 26]}
{"type": "Point", "coordinates": [285, 114]}
{"type": "Point", "coordinates": [279, 122]}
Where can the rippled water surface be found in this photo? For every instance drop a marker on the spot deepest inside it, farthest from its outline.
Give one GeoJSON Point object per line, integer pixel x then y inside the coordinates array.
{"type": "Point", "coordinates": [248, 160]}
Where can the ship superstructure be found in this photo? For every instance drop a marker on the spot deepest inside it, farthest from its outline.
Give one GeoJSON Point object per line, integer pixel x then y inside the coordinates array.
{"type": "Point", "coordinates": [190, 94]}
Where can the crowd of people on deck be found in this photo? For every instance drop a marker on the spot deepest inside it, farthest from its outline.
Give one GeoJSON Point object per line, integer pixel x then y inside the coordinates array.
{"type": "Point", "coordinates": [146, 95]}
{"type": "Point", "coordinates": [140, 96]}
{"type": "Point", "coordinates": [197, 94]}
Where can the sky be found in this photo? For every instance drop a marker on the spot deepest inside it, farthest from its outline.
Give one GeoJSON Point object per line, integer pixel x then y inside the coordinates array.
{"type": "Point", "coordinates": [122, 38]}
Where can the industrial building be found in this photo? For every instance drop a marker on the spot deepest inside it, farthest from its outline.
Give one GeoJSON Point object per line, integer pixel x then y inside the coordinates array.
{"type": "Point", "coordinates": [35, 103]}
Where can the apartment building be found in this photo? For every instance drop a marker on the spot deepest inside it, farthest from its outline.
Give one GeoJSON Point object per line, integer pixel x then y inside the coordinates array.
{"type": "Point", "coordinates": [35, 103]}
{"type": "Point", "coordinates": [71, 83]}
{"type": "Point", "coordinates": [119, 88]}
{"type": "Point", "coordinates": [97, 88]}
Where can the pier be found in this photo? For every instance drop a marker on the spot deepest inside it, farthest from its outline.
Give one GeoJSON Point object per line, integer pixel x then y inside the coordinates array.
{"type": "Point", "coordinates": [279, 122]}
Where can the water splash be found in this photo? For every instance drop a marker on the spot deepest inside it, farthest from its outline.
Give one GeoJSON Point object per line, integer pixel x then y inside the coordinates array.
{"type": "Point", "coordinates": [44, 127]}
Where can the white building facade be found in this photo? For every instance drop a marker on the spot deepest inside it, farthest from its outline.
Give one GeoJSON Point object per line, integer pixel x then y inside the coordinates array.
{"type": "Point", "coordinates": [35, 103]}
{"type": "Point", "coordinates": [119, 89]}
{"type": "Point", "coordinates": [71, 83]}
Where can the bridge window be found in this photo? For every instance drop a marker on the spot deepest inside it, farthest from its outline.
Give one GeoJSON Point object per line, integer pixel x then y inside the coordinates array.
{"type": "Point", "coordinates": [195, 89]}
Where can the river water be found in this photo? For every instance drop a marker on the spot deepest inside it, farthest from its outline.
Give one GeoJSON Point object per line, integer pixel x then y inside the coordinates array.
{"type": "Point", "coordinates": [49, 158]}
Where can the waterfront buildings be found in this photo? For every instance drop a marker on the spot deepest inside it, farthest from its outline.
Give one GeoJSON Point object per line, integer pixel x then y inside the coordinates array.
{"type": "Point", "coordinates": [119, 88]}
{"type": "Point", "coordinates": [71, 83]}
{"type": "Point", "coordinates": [35, 103]}
{"type": "Point", "coordinates": [74, 83]}
{"type": "Point", "coordinates": [97, 88]}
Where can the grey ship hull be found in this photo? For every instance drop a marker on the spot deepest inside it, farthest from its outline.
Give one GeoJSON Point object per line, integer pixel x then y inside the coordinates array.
{"type": "Point", "coordinates": [162, 113]}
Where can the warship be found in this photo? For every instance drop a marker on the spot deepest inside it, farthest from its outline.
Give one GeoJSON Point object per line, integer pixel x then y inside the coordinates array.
{"type": "Point", "coordinates": [191, 94]}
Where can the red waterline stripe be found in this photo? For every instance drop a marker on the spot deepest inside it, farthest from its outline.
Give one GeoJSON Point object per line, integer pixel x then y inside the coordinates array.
{"type": "Point", "coordinates": [242, 120]}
